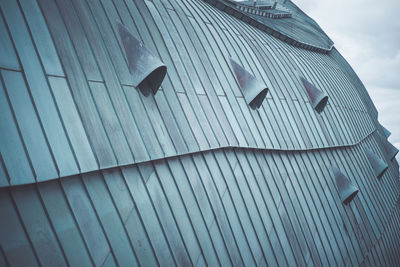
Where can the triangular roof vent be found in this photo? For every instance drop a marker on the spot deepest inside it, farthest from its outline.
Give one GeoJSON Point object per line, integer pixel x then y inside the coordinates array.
{"type": "Point", "coordinates": [147, 70]}
{"type": "Point", "coordinates": [390, 149]}
{"type": "Point", "coordinates": [347, 191]}
{"type": "Point", "coordinates": [318, 98]}
{"type": "Point", "coordinates": [386, 131]}
{"type": "Point", "coordinates": [378, 165]}
{"type": "Point", "coordinates": [254, 91]}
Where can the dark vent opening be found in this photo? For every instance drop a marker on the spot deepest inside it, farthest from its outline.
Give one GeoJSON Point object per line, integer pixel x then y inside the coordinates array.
{"type": "Point", "coordinates": [153, 81]}
{"type": "Point", "coordinates": [379, 175]}
{"type": "Point", "coordinates": [321, 105]}
{"type": "Point", "coordinates": [347, 200]}
{"type": "Point", "coordinates": [257, 102]}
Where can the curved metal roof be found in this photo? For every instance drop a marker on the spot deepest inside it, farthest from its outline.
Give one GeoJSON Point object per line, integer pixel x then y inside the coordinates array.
{"type": "Point", "coordinates": [93, 172]}
{"type": "Point", "coordinates": [69, 105]}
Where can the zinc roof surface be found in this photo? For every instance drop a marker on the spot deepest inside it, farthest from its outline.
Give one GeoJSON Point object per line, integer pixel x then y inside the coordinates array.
{"type": "Point", "coordinates": [68, 104]}
{"type": "Point", "coordinates": [216, 183]}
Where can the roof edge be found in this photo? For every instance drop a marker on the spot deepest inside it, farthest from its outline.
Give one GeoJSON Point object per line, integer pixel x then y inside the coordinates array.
{"type": "Point", "coordinates": [224, 6]}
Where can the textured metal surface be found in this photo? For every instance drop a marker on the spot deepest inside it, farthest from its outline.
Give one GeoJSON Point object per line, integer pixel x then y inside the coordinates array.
{"type": "Point", "coordinates": [383, 253]}
{"type": "Point", "coordinates": [390, 149]}
{"type": "Point", "coordinates": [318, 98]}
{"type": "Point", "coordinates": [347, 190]}
{"type": "Point", "coordinates": [377, 164]}
{"type": "Point", "coordinates": [147, 71]}
{"type": "Point", "coordinates": [386, 131]}
{"type": "Point", "coordinates": [225, 207]}
{"type": "Point", "coordinates": [92, 172]}
{"type": "Point", "coordinates": [254, 91]}
{"type": "Point", "coordinates": [88, 116]}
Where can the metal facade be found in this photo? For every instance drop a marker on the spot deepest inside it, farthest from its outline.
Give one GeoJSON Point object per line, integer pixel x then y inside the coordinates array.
{"type": "Point", "coordinates": [92, 172]}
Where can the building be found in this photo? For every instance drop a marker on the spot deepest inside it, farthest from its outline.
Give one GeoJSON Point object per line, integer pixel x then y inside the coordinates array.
{"type": "Point", "coordinates": [187, 132]}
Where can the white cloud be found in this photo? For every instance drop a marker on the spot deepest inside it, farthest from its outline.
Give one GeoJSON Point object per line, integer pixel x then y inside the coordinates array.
{"type": "Point", "coordinates": [367, 33]}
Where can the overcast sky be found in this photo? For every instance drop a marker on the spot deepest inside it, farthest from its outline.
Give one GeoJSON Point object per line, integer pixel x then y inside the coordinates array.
{"type": "Point", "coordinates": [367, 34]}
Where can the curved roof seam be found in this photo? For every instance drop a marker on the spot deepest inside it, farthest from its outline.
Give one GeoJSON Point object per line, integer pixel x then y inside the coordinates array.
{"type": "Point", "coordinates": [226, 120]}
{"type": "Point", "coordinates": [207, 150]}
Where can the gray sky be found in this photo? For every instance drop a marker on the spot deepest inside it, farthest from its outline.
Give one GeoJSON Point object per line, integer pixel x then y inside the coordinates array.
{"type": "Point", "coordinates": [367, 34]}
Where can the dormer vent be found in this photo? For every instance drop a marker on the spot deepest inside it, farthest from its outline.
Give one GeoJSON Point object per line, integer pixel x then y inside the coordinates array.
{"type": "Point", "coordinates": [347, 191]}
{"type": "Point", "coordinates": [254, 91]}
{"type": "Point", "coordinates": [386, 131]}
{"type": "Point", "coordinates": [317, 98]}
{"type": "Point", "coordinates": [390, 149]}
{"type": "Point", "coordinates": [148, 71]}
{"type": "Point", "coordinates": [377, 164]}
